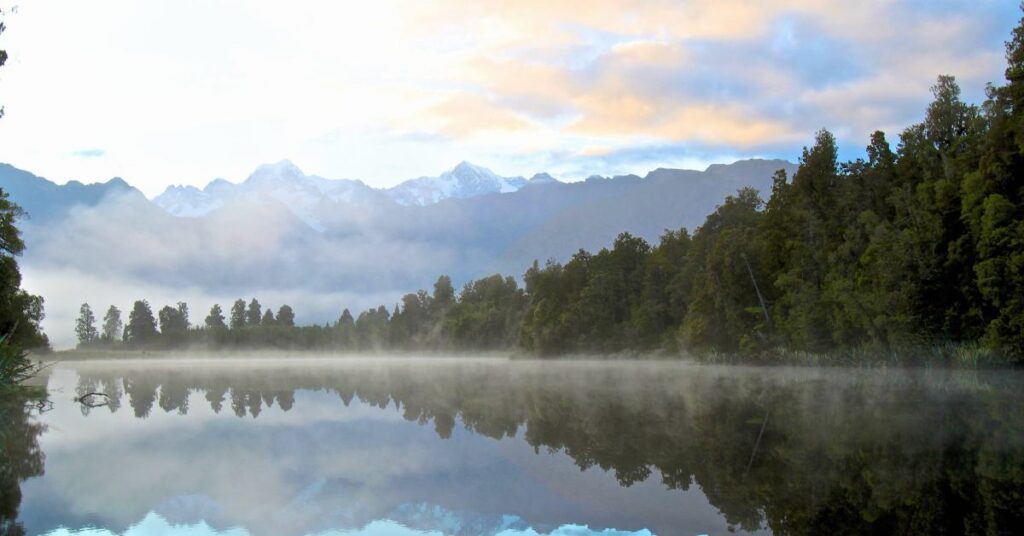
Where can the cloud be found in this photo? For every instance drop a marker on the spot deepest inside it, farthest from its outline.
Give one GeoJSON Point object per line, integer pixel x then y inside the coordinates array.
{"type": "Point", "coordinates": [89, 153]}
{"type": "Point", "coordinates": [502, 84]}
{"type": "Point", "coordinates": [466, 115]}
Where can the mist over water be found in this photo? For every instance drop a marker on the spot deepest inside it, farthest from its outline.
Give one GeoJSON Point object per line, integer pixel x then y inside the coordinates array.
{"type": "Point", "coordinates": [490, 446]}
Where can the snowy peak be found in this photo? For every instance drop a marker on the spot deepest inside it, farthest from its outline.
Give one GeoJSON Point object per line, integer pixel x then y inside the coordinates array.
{"type": "Point", "coordinates": [307, 196]}
{"type": "Point", "coordinates": [281, 173]}
{"type": "Point", "coordinates": [187, 201]}
{"type": "Point", "coordinates": [462, 181]}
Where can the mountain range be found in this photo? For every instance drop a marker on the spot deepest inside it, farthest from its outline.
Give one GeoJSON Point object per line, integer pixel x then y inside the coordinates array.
{"type": "Point", "coordinates": [322, 244]}
{"type": "Point", "coordinates": [286, 183]}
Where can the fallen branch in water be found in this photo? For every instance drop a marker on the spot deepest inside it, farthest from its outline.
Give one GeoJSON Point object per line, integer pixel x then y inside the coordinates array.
{"type": "Point", "coordinates": [88, 403]}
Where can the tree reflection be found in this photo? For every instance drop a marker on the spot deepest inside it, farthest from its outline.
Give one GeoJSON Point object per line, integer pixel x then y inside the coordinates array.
{"type": "Point", "coordinates": [918, 452]}
{"type": "Point", "coordinates": [20, 457]}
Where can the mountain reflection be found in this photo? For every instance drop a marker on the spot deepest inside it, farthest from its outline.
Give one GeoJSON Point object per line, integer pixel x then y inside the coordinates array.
{"type": "Point", "coordinates": [800, 452]}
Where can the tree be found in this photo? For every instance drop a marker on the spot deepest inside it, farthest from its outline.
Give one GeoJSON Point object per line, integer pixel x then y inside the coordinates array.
{"type": "Point", "coordinates": [285, 316]}
{"type": "Point", "coordinates": [993, 208]}
{"type": "Point", "coordinates": [444, 296]}
{"type": "Point", "coordinates": [238, 314]}
{"type": "Point", "coordinates": [215, 320]}
{"type": "Point", "coordinates": [141, 328]}
{"type": "Point", "coordinates": [112, 324]}
{"type": "Point", "coordinates": [254, 314]}
{"type": "Point", "coordinates": [268, 318]}
{"type": "Point", "coordinates": [346, 327]}
{"type": "Point", "coordinates": [723, 312]}
{"type": "Point", "coordinates": [183, 313]}
{"type": "Point", "coordinates": [20, 312]}
{"type": "Point", "coordinates": [85, 326]}
{"type": "Point", "coordinates": [173, 324]}
{"type": "Point", "coordinates": [487, 315]}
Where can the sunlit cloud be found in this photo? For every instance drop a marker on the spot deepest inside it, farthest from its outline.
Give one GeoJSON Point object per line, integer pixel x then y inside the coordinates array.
{"type": "Point", "coordinates": [395, 89]}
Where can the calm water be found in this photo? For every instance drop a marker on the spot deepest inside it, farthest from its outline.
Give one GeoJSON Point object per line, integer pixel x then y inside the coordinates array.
{"type": "Point", "coordinates": [402, 447]}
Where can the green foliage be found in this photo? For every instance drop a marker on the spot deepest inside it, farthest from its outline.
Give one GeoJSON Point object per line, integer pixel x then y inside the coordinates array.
{"type": "Point", "coordinates": [20, 312]}
{"type": "Point", "coordinates": [285, 316]}
{"type": "Point", "coordinates": [254, 314]}
{"type": "Point", "coordinates": [173, 324]}
{"type": "Point", "coordinates": [141, 329]}
{"type": "Point", "coordinates": [85, 326]}
{"type": "Point", "coordinates": [15, 365]}
{"type": "Point", "coordinates": [268, 318]}
{"type": "Point", "coordinates": [111, 325]}
{"type": "Point", "coordinates": [215, 320]}
{"type": "Point", "coordinates": [487, 314]}
{"type": "Point", "coordinates": [238, 314]}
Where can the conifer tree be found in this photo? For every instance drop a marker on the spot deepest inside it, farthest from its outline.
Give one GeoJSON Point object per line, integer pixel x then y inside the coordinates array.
{"type": "Point", "coordinates": [85, 326]}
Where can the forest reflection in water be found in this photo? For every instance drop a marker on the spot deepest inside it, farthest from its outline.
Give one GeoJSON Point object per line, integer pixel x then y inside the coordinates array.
{"type": "Point", "coordinates": [690, 448]}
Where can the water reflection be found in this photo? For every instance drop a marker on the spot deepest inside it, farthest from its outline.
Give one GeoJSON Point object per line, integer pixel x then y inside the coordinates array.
{"type": "Point", "coordinates": [20, 456]}
{"type": "Point", "coordinates": [315, 446]}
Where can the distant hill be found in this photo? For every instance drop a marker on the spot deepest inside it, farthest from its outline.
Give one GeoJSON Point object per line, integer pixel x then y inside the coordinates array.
{"type": "Point", "coordinates": [44, 200]}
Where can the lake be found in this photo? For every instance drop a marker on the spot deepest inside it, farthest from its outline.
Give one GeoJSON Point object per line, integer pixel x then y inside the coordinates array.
{"type": "Point", "coordinates": [307, 446]}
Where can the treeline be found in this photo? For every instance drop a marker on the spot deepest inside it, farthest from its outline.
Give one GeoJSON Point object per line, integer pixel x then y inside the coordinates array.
{"type": "Point", "coordinates": [486, 315]}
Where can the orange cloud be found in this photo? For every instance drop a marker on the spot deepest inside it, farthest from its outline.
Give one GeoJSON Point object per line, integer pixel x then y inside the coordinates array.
{"type": "Point", "coordinates": [465, 115]}
{"type": "Point", "coordinates": [693, 122]}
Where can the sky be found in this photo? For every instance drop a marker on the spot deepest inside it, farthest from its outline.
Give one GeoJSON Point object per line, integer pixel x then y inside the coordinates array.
{"type": "Point", "coordinates": [181, 92]}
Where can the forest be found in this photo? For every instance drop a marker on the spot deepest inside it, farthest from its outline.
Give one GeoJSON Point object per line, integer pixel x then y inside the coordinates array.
{"type": "Point", "coordinates": [917, 250]}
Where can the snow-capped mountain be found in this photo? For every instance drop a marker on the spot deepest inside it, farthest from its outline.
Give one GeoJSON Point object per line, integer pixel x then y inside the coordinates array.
{"type": "Point", "coordinates": [187, 201]}
{"type": "Point", "coordinates": [307, 196]}
{"type": "Point", "coordinates": [462, 181]}
{"type": "Point", "coordinates": [313, 198]}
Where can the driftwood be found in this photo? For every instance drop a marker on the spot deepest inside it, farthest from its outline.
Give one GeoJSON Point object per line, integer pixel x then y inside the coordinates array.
{"type": "Point", "coordinates": [86, 400]}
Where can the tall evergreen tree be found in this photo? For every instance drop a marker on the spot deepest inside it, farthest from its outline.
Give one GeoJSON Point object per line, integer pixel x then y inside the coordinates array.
{"type": "Point", "coordinates": [285, 316]}
{"type": "Point", "coordinates": [141, 327]}
{"type": "Point", "coordinates": [268, 318]}
{"type": "Point", "coordinates": [173, 325]}
{"type": "Point", "coordinates": [85, 326]}
{"type": "Point", "coordinates": [238, 314]}
{"type": "Point", "coordinates": [215, 320]}
{"type": "Point", "coordinates": [112, 324]}
{"type": "Point", "coordinates": [254, 313]}
{"type": "Point", "coordinates": [183, 313]}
